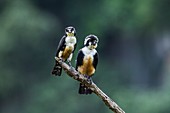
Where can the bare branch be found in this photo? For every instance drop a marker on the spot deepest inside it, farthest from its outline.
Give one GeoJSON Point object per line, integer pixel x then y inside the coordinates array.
{"type": "Point", "coordinates": [77, 76]}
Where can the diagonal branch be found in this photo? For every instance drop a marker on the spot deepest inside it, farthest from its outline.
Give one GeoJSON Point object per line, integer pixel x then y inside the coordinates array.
{"type": "Point", "coordinates": [77, 76]}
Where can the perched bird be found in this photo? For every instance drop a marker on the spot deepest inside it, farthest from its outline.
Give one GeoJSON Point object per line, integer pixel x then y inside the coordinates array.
{"type": "Point", "coordinates": [65, 49]}
{"type": "Point", "coordinates": [87, 60]}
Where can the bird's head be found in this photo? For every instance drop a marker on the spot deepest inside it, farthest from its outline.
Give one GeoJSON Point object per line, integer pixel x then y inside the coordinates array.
{"type": "Point", "coordinates": [91, 41]}
{"type": "Point", "coordinates": [70, 31]}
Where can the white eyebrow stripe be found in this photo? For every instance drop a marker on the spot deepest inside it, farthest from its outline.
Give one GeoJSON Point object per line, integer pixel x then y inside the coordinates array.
{"type": "Point", "coordinates": [85, 41]}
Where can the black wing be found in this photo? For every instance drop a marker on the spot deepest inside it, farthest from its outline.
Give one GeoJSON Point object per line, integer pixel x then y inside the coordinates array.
{"type": "Point", "coordinates": [61, 45]}
{"type": "Point", "coordinates": [80, 57]}
{"type": "Point", "coordinates": [74, 48]}
{"type": "Point", "coordinates": [95, 61]}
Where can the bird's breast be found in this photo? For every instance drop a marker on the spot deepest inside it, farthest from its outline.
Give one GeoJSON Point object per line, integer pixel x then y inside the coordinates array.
{"type": "Point", "coordinates": [67, 51]}
{"type": "Point", "coordinates": [71, 40]}
{"type": "Point", "coordinates": [70, 43]}
{"type": "Point", "coordinates": [87, 68]}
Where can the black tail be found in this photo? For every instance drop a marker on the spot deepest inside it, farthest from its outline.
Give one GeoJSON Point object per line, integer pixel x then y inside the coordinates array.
{"type": "Point", "coordinates": [57, 70]}
{"type": "Point", "coordinates": [84, 89]}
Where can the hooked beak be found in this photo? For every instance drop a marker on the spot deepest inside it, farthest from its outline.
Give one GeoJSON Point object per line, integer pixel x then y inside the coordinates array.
{"type": "Point", "coordinates": [94, 45]}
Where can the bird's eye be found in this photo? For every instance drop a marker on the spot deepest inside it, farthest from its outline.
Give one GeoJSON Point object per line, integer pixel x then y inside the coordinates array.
{"type": "Point", "coordinates": [72, 29]}
{"type": "Point", "coordinates": [67, 30]}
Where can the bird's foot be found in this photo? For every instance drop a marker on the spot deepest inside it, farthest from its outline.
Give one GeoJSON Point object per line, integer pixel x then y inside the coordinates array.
{"type": "Point", "coordinates": [71, 68]}
{"type": "Point", "coordinates": [89, 79]}
{"type": "Point", "coordinates": [69, 63]}
{"type": "Point", "coordinates": [59, 59]}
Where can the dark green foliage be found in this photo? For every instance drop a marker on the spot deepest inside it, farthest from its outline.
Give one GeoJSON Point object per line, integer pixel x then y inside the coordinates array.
{"type": "Point", "coordinates": [133, 51]}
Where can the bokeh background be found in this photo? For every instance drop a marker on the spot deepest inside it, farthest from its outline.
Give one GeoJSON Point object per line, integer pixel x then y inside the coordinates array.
{"type": "Point", "coordinates": [134, 51]}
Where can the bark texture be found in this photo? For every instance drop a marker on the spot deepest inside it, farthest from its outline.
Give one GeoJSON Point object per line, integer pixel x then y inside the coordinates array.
{"type": "Point", "coordinates": [77, 76]}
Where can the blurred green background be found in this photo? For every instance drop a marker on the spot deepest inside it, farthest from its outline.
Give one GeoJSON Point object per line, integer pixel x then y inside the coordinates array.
{"type": "Point", "coordinates": [134, 51]}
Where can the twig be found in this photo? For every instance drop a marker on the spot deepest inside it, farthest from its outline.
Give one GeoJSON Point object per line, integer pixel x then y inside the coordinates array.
{"type": "Point", "coordinates": [77, 76]}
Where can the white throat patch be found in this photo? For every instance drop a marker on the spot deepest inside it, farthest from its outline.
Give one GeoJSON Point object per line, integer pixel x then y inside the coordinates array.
{"type": "Point", "coordinates": [70, 40]}
{"type": "Point", "coordinates": [88, 51]}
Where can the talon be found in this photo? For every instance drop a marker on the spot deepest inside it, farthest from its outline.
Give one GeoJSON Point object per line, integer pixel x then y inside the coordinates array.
{"type": "Point", "coordinates": [77, 75]}
{"type": "Point", "coordinates": [89, 80]}
{"type": "Point", "coordinates": [69, 63]}
{"type": "Point", "coordinates": [58, 58]}
{"type": "Point", "coordinates": [61, 59]}
{"type": "Point", "coordinates": [71, 68]}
